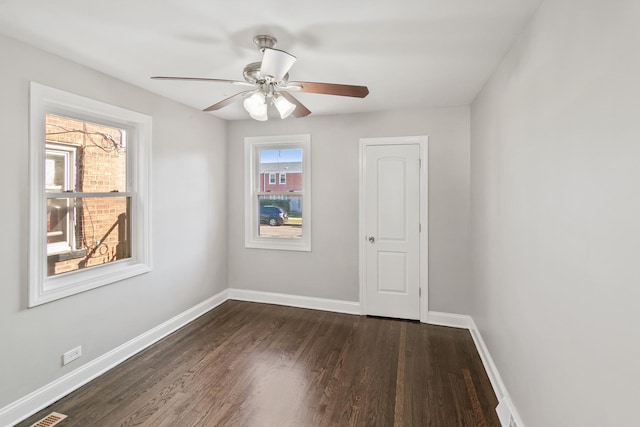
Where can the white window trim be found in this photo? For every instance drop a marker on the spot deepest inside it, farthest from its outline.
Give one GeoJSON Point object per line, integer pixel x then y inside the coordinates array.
{"type": "Point", "coordinates": [283, 178]}
{"type": "Point", "coordinates": [252, 222]}
{"type": "Point", "coordinates": [272, 178]}
{"type": "Point", "coordinates": [45, 100]}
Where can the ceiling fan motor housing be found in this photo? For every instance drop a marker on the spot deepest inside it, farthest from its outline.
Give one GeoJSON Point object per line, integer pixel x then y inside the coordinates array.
{"type": "Point", "coordinates": [252, 74]}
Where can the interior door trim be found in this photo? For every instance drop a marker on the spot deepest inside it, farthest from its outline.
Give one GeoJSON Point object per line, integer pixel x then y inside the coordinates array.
{"type": "Point", "coordinates": [423, 143]}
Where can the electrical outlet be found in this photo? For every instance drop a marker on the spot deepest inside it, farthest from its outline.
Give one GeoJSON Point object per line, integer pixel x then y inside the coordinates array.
{"type": "Point", "coordinates": [71, 355]}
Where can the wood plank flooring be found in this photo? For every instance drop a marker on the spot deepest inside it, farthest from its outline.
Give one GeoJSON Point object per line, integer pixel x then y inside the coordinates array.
{"type": "Point", "coordinates": [248, 364]}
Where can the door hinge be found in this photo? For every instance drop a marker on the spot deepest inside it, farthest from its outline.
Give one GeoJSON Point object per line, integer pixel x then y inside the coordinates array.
{"type": "Point", "coordinates": [419, 292]}
{"type": "Point", "coordinates": [420, 228]}
{"type": "Point", "coordinates": [419, 163]}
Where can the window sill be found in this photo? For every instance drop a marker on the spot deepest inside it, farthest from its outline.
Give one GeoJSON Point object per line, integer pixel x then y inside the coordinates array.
{"type": "Point", "coordinates": [279, 244]}
{"type": "Point", "coordinates": [65, 256]}
{"type": "Point", "coordinates": [75, 282]}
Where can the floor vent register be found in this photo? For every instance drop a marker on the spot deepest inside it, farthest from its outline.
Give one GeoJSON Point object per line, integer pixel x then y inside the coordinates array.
{"type": "Point", "coordinates": [50, 420]}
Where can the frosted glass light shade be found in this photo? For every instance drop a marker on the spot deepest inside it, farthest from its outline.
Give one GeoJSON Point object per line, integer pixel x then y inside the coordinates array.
{"type": "Point", "coordinates": [256, 106]}
{"type": "Point", "coordinates": [285, 108]}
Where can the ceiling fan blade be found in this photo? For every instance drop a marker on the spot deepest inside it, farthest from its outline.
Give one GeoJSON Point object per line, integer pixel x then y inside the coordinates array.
{"type": "Point", "coordinates": [229, 100]}
{"type": "Point", "coordinates": [203, 79]}
{"type": "Point", "coordinates": [328, 89]}
{"type": "Point", "coordinates": [276, 63]}
{"type": "Point", "coordinates": [301, 110]}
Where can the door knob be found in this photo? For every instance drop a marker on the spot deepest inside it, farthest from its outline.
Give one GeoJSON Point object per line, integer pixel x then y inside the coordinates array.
{"type": "Point", "coordinates": [372, 239]}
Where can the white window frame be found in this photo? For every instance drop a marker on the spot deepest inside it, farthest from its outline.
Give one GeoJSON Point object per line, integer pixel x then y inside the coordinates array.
{"type": "Point", "coordinates": [283, 178]}
{"type": "Point", "coordinates": [272, 178]}
{"type": "Point", "coordinates": [252, 145]}
{"type": "Point", "coordinates": [45, 100]}
{"type": "Point", "coordinates": [69, 171]}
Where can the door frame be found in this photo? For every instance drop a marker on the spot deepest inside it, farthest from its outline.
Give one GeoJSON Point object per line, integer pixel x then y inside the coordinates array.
{"type": "Point", "coordinates": [423, 143]}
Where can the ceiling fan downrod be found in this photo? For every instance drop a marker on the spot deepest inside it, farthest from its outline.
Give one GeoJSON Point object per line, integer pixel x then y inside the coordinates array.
{"type": "Point", "coordinates": [264, 41]}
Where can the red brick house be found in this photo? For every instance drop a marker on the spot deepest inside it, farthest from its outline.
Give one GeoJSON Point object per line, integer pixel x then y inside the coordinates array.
{"type": "Point", "coordinates": [282, 177]}
{"type": "Point", "coordinates": [83, 157]}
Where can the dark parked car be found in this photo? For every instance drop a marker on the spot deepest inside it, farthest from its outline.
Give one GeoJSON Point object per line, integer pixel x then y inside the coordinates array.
{"type": "Point", "coordinates": [273, 215]}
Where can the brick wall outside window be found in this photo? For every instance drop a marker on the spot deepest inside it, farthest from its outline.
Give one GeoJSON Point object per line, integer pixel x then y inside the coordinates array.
{"type": "Point", "coordinates": [101, 233]}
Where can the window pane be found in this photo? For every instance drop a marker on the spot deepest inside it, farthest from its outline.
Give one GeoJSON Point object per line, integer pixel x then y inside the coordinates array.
{"type": "Point", "coordinates": [97, 232]}
{"type": "Point", "coordinates": [100, 163]}
{"type": "Point", "coordinates": [286, 163]}
{"type": "Point", "coordinates": [56, 166]}
{"type": "Point", "coordinates": [57, 221]}
{"type": "Point", "coordinates": [280, 216]}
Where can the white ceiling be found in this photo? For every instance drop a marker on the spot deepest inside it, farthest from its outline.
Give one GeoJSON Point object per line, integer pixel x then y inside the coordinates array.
{"type": "Point", "coordinates": [410, 53]}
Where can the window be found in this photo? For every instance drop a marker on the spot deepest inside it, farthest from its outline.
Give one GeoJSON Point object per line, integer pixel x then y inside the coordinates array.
{"type": "Point", "coordinates": [59, 177]}
{"type": "Point", "coordinates": [89, 222]}
{"type": "Point", "coordinates": [278, 217]}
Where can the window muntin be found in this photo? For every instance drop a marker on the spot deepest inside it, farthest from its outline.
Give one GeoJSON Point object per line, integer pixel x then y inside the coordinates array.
{"type": "Point", "coordinates": [279, 215]}
{"type": "Point", "coordinates": [89, 216]}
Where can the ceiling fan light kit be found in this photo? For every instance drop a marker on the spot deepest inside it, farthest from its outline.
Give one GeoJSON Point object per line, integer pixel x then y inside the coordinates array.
{"type": "Point", "coordinates": [285, 108]}
{"type": "Point", "coordinates": [256, 106]}
{"type": "Point", "coordinates": [270, 84]}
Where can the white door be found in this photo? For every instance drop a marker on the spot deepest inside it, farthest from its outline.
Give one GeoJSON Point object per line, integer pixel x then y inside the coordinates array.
{"type": "Point", "coordinates": [392, 230]}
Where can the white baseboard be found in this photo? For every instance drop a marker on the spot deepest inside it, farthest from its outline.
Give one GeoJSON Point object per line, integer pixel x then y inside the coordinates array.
{"type": "Point", "coordinates": [507, 413]}
{"type": "Point", "coordinates": [44, 396]}
{"type": "Point", "coordinates": [466, 322]}
{"type": "Point", "coordinates": [433, 317]}
{"type": "Point", "coordinates": [487, 361]}
{"type": "Point", "coordinates": [505, 403]}
{"type": "Point", "coordinates": [448, 319]}
{"type": "Point", "coordinates": [506, 408]}
{"type": "Point", "coordinates": [337, 306]}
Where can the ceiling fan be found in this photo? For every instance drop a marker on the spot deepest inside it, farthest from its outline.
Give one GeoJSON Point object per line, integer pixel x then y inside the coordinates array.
{"type": "Point", "coordinates": [269, 82]}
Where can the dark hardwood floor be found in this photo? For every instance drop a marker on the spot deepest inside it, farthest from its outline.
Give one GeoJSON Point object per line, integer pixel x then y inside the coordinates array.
{"type": "Point", "coordinates": [248, 364]}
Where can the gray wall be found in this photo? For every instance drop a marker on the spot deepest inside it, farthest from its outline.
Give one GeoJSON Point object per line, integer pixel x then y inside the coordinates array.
{"type": "Point", "coordinates": [331, 269]}
{"type": "Point", "coordinates": [189, 184]}
{"type": "Point", "coordinates": [555, 201]}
